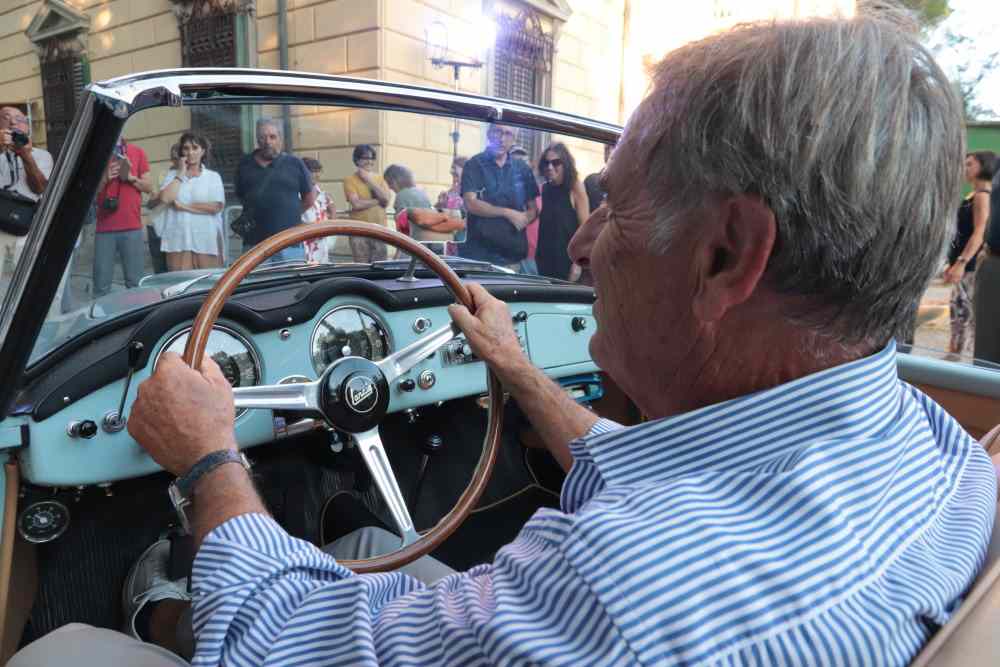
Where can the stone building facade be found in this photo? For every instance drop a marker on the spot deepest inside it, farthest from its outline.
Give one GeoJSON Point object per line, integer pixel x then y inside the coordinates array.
{"type": "Point", "coordinates": [587, 58]}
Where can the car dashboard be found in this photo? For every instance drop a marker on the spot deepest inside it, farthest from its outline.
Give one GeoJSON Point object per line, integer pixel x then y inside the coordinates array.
{"type": "Point", "coordinates": [67, 411]}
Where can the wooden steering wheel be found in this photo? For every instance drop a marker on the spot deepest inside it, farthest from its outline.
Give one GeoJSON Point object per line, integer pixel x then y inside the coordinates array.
{"type": "Point", "coordinates": [353, 393]}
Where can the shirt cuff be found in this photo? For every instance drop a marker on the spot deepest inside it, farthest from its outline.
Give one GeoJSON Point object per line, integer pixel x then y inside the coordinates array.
{"type": "Point", "coordinates": [602, 426]}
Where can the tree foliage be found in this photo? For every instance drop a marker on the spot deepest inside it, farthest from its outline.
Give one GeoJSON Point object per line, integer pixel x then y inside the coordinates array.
{"type": "Point", "coordinates": [969, 74]}
{"type": "Point", "coordinates": [930, 12]}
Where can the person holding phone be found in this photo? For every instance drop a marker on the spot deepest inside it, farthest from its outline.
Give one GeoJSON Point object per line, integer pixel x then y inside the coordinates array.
{"type": "Point", "coordinates": [191, 225]}
{"type": "Point", "coordinates": [119, 234]}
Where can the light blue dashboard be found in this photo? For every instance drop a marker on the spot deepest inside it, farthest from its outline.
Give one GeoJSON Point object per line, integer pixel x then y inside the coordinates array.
{"type": "Point", "coordinates": [55, 458]}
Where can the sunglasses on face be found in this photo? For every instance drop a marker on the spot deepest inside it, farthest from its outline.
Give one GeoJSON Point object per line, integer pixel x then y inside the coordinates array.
{"type": "Point", "coordinates": [556, 163]}
{"type": "Point", "coordinates": [366, 158]}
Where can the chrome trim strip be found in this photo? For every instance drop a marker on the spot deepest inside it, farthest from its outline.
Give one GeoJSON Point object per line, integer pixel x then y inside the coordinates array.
{"type": "Point", "coordinates": [197, 86]}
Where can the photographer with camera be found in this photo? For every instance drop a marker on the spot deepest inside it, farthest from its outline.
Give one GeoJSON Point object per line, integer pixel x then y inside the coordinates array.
{"type": "Point", "coordinates": [24, 169]}
{"type": "Point", "coordinates": [119, 231]}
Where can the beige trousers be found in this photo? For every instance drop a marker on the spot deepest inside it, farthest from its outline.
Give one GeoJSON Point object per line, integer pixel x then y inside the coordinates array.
{"type": "Point", "coordinates": [87, 646]}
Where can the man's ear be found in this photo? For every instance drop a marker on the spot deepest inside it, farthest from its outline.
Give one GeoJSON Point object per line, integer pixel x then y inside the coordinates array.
{"type": "Point", "coordinates": [735, 242]}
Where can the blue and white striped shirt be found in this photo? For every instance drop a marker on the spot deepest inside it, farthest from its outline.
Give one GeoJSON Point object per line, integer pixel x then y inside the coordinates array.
{"type": "Point", "coordinates": [835, 519]}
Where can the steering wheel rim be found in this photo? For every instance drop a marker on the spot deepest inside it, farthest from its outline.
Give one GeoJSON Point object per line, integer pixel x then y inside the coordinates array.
{"type": "Point", "coordinates": [211, 308]}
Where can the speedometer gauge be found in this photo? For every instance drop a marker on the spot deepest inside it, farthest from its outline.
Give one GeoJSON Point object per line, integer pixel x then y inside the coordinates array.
{"type": "Point", "coordinates": [229, 350]}
{"type": "Point", "coordinates": [347, 331]}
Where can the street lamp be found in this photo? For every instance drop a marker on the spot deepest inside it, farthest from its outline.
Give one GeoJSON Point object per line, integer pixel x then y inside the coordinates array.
{"type": "Point", "coordinates": [438, 52]}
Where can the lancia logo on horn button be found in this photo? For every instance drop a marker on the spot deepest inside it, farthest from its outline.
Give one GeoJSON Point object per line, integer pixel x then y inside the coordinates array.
{"type": "Point", "coordinates": [361, 394]}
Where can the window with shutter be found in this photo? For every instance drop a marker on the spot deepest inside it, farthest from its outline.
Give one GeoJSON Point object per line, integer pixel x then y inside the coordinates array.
{"type": "Point", "coordinates": [522, 58]}
{"type": "Point", "coordinates": [208, 39]}
{"type": "Point", "coordinates": [63, 79]}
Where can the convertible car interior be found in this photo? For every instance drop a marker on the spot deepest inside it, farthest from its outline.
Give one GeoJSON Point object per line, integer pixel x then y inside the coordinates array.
{"type": "Point", "coordinates": [431, 448]}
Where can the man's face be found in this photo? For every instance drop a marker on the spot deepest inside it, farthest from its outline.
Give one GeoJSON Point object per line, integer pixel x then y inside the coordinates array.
{"type": "Point", "coordinates": [643, 305]}
{"type": "Point", "coordinates": [269, 141]}
{"type": "Point", "coordinates": [12, 119]}
{"type": "Point", "coordinates": [500, 138]}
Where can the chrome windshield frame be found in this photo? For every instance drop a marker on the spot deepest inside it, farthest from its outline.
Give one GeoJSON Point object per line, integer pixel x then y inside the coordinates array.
{"type": "Point", "coordinates": [107, 105]}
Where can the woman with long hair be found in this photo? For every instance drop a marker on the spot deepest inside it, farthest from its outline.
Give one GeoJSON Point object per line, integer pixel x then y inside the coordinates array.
{"type": "Point", "coordinates": [564, 208]}
{"type": "Point", "coordinates": [191, 234]}
{"type": "Point", "coordinates": [973, 213]}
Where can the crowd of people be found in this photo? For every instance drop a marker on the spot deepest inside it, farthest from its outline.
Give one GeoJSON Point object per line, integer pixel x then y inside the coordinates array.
{"type": "Point", "coordinates": [498, 206]}
{"type": "Point", "coordinates": [503, 209]}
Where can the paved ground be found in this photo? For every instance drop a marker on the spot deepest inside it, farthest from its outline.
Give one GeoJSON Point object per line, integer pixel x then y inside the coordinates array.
{"type": "Point", "coordinates": [933, 330]}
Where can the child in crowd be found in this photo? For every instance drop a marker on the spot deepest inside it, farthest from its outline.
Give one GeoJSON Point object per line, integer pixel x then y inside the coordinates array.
{"type": "Point", "coordinates": [323, 209]}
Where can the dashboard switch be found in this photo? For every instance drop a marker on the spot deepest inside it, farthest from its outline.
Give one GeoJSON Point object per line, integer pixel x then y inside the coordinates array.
{"type": "Point", "coordinates": [407, 385]}
{"type": "Point", "coordinates": [86, 428]}
{"type": "Point", "coordinates": [579, 324]}
{"type": "Point", "coordinates": [421, 324]}
{"type": "Point", "coordinates": [426, 380]}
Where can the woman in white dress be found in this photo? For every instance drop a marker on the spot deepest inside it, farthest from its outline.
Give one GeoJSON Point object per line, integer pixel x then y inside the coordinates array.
{"type": "Point", "coordinates": [191, 226]}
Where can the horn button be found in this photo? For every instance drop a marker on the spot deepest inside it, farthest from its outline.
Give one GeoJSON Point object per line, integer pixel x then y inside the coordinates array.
{"type": "Point", "coordinates": [354, 395]}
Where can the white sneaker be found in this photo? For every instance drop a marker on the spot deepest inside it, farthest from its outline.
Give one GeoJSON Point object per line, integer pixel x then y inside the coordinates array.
{"type": "Point", "coordinates": [147, 582]}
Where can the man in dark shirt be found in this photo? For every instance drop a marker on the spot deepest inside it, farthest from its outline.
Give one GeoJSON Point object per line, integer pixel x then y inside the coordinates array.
{"type": "Point", "coordinates": [275, 188]}
{"type": "Point", "coordinates": [499, 194]}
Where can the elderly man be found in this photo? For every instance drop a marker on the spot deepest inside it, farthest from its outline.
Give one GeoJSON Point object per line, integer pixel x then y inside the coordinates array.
{"type": "Point", "coordinates": [790, 501]}
{"type": "Point", "coordinates": [24, 169]}
{"type": "Point", "coordinates": [275, 188]}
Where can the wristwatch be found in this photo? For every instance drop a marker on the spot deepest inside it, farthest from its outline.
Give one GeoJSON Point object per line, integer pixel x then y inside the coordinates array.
{"type": "Point", "coordinates": [181, 490]}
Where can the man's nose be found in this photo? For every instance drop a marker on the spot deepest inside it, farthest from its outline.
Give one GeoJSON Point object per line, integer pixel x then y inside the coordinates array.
{"type": "Point", "coordinates": [582, 243]}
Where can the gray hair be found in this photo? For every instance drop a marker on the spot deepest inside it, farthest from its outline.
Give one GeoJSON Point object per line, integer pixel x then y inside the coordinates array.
{"type": "Point", "coordinates": [265, 121]}
{"type": "Point", "coordinates": [846, 128]}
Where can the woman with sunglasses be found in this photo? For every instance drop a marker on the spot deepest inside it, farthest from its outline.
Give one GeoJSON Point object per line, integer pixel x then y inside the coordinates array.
{"type": "Point", "coordinates": [564, 208]}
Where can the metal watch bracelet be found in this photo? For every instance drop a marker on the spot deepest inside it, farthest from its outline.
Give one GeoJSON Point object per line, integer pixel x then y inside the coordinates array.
{"type": "Point", "coordinates": [182, 489]}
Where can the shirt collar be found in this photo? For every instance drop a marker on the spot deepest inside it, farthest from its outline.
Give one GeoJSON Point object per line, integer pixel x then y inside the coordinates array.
{"type": "Point", "coordinates": [846, 402]}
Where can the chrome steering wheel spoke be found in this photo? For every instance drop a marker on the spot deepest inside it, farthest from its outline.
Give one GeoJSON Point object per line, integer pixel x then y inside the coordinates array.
{"type": "Point", "coordinates": [403, 360]}
{"type": "Point", "coordinates": [369, 443]}
{"type": "Point", "coordinates": [302, 397]}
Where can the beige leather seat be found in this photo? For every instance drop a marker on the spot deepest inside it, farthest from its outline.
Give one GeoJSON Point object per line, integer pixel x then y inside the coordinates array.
{"type": "Point", "coordinates": [972, 637]}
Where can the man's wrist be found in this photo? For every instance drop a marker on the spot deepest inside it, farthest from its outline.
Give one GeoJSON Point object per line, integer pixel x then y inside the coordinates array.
{"type": "Point", "coordinates": [206, 464]}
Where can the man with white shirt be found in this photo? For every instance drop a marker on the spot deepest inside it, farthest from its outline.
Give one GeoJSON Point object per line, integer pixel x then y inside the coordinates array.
{"type": "Point", "coordinates": [24, 169]}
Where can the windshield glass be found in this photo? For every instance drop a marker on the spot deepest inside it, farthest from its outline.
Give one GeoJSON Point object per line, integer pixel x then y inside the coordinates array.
{"type": "Point", "coordinates": [187, 191]}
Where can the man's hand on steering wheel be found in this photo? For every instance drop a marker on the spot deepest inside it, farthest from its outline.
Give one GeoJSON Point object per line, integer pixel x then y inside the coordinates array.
{"type": "Point", "coordinates": [181, 414]}
{"type": "Point", "coordinates": [490, 332]}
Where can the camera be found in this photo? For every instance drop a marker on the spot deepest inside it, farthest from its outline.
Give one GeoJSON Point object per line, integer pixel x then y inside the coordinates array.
{"type": "Point", "coordinates": [110, 204]}
{"type": "Point", "coordinates": [19, 138]}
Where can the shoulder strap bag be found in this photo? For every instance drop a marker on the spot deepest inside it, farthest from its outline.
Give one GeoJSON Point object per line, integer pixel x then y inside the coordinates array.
{"type": "Point", "coordinates": [245, 223]}
{"type": "Point", "coordinates": [16, 210]}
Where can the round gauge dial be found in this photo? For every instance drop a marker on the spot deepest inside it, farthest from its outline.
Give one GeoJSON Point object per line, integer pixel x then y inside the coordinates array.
{"type": "Point", "coordinates": [43, 521]}
{"type": "Point", "coordinates": [347, 332]}
{"type": "Point", "coordinates": [230, 351]}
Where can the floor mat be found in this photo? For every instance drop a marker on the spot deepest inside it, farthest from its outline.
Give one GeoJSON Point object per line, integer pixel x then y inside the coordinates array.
{"type": "Point", "coordinates": [486, 530]}
{"type": "Point", "coordinates": [85, 568]}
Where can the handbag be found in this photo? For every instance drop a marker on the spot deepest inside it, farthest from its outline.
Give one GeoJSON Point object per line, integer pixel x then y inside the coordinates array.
{"type": "Point", "coordinates": [16, 212]}
{"type": "Point", "coordinates": [244, 224]}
